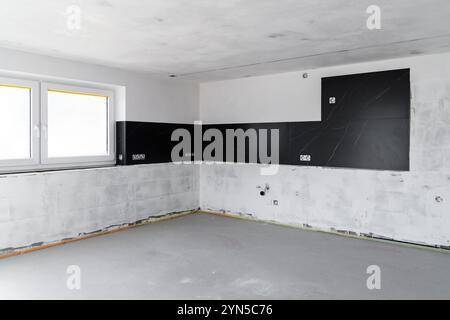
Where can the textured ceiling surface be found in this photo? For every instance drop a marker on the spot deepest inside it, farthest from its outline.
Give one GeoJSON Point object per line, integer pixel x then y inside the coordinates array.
{"type": "Point", "coordinates": [208, 40]}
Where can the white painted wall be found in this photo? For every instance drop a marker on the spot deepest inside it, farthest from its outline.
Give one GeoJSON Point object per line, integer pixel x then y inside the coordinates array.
{"type": "Point", "coordinates": [273, 98]}
{"type": "Point", "coordinates": [409, 206]}
{"type": "Point", "coordinates": [146, 98]}
{"type": "Point", "coordinates": [46, 207]}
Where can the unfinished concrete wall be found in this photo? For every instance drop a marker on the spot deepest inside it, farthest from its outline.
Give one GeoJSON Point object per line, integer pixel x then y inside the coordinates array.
{"type": "Point", "coordinates": [409, 206]}
{"type": "Point", "coordinates": [46, 207]}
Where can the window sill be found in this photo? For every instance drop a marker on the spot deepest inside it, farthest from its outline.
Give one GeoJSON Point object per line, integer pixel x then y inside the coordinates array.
{"type": "Point", "coordinates": [50, 169]}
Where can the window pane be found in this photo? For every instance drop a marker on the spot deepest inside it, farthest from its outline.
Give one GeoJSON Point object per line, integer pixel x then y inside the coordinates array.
{"type": "Point", "coordinates": [15, 126]}
{"type": "Point", "coordinates": [77, 125]}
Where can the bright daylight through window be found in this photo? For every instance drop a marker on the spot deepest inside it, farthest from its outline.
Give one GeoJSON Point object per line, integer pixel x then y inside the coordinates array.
{"type": "Point", "coordinates": [77, 124]}
{"type": "Point", "coordinates": [15, 128]}
{"type": "Point", "coordinates": [58, 126]}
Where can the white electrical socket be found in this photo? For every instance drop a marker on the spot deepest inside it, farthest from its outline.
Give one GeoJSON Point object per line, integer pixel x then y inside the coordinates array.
{"type": "Point", "coordinates": [305, 157]}
{"type": "Point", "coordinates": [138, 157]}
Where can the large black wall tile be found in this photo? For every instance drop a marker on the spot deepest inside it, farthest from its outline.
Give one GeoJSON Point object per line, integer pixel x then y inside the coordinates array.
{"type": "Point", "coordinates": [377, 95]}
{"type": "Point", "coordinates": [368, 125]}
{"type": "Point", "coordinates": [283, 137]}
{"type": "Point", "coordinates": [369, 144]}
{"type": "Point", "coordinates": [152, 139]}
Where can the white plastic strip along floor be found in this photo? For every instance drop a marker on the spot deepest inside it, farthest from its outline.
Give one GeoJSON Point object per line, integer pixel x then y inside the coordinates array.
{"type": "Point", "coordinates": [203, 256]}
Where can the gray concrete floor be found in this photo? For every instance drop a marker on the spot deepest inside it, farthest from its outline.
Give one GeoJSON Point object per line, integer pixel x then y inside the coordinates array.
{"type": "Point", "coordinates": [203, 256]}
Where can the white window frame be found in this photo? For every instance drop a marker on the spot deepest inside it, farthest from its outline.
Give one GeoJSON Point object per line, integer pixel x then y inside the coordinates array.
{"type": "Point", "coordinates": [39, 160]}
{"type": "Point", "coordinates": [107, 159]}
{"type": "Point", "coordinates": [7, 164]}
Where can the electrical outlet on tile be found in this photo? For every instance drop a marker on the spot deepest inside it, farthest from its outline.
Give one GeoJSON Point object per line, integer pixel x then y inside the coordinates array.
{"type": "Point", "coordinates": [138, 157]}
{"type": "Point", "coordinates": [305, 157]}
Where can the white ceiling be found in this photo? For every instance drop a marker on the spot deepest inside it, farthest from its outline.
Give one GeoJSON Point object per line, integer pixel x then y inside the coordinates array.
{"type": "Point", "coordinates": [217, 39]}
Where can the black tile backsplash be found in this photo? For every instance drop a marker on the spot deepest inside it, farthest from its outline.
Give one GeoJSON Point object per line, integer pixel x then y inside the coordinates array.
{"type": "Point", "coordinates": [365, 124]}
{"type": "Point", "coordinates": [151, 139]}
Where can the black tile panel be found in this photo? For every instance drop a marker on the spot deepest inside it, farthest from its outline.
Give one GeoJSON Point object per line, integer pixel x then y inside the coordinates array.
{"type": "Point", "coordinates": [151, 139]}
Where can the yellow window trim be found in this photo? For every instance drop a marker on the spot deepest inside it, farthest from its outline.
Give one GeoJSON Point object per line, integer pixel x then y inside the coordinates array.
{"type": "Point", "coordinates": [13, 86]}
{"type": "Point", "coordinates": [79, 93]}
